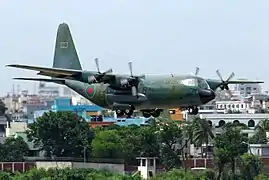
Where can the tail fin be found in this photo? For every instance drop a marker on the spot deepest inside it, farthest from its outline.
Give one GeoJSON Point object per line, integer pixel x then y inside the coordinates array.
{"type": "Point", "coordinates": [65, 55]}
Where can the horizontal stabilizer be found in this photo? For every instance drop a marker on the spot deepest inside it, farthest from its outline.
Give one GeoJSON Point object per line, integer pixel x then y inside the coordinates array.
{"type": "Point", "coordinates": [245, 82]}
{"type": "Point", "coordinates": [52, 72]}
{"type": "Point", "coordinates": [58, 81]}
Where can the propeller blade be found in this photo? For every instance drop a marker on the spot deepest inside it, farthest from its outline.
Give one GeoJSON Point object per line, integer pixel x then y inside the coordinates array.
{"type": "Point", "coordinates": [97, 64]}
{"type": "Point", "coordinates": [230, 77]}
{"type": "Point", "coordinates": [108, 71]}
{"type": "Point", "coordinates": [131, 68]}
{"type": "Point", "coordinates": [134, 91]}
{"type": "Point", "coordinates": [197, 71]}
{"type": "Point", "coordinates": [218, 73]}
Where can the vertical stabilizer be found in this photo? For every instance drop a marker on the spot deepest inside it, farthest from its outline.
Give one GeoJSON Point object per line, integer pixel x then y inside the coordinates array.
{"type": "Point", "coordinates": [65, 55]}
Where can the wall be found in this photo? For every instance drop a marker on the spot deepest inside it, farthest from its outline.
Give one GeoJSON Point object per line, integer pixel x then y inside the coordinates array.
{"type": "Point", "coordinates": [117, 168]}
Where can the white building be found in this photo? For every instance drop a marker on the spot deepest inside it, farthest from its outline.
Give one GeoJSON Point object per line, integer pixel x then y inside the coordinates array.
{"type": "Point", "coordinates": [48, 92]}
{"type": "Point", "coordinates": [259, 149]}
{"type": "Point", "coordinates": [235, 106]}
{"type": "Point", "coordinates": [245, 89]}
{"type": "Point", "coordinates": [218, 120]}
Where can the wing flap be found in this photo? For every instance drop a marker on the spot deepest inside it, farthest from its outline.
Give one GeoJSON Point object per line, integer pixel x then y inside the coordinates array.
{"type": "Point", "coordinates": [53, 72]}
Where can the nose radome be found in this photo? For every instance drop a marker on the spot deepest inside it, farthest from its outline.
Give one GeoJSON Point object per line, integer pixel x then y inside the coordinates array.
{"type": "Point", "coordinates": [206, 95]}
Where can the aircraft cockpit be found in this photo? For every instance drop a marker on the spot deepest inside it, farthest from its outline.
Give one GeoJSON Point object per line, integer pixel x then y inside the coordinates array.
{"type": "Point", "coordinates": [196, 81]}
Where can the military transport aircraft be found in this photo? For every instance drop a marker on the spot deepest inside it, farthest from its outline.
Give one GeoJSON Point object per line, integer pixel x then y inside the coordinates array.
{"type": "Point", "coordinates": [150, 94]}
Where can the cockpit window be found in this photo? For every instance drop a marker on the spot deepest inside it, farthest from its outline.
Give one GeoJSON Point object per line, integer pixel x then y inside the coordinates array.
{"type": "Point", "coordinates": [189, 82]}
{"type": "Point", "coordinates": [198, 82]}
{"type": "Point", "coordinates": [203, 84]}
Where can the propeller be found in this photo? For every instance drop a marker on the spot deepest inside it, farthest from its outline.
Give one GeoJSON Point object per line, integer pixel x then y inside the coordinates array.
{"type": "Point", "coordinates": [98, 77]}
{"type": "Point", "coordinates": [131, 81]}
{"type": "Point", "coordinates": [197, 71]}
{"type": "Point", "coordinates": [224, 84]}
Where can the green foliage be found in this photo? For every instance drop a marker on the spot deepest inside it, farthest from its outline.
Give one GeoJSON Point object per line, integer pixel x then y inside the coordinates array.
{"type": "Point", "coordinates": [13, 149]}
{"type": "Point", "coordinates": [250, 166]}
{"type": "Point", "coordinates": [66, 174]}
{"type": "Point", "coordinates": [170, 135]}
{"type": "Point", "coordinates": [228, 146]}
{"type": "Point", "coordinates": [61, 134]}
{"type": "Point", "coordinates": [2, 108]}
{"type": "Point", "coordinates": [107, 144]}
{"type": "Point", "coordinates": [176, 174]}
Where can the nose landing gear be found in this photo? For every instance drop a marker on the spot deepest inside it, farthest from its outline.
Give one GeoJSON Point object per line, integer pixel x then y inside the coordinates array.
{"type": "Point", "coordinates": [193, 110]}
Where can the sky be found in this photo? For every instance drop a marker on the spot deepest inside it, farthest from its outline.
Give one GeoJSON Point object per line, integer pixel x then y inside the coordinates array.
{"type": "Point", "coordinates": [174, 36]}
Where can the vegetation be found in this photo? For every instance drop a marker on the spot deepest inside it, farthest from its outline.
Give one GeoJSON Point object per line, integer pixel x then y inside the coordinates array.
{"type": "Point", "coordinates": [64, 134]}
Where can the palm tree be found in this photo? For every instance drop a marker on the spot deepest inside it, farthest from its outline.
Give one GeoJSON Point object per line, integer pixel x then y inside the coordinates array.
{"type": "Point", "coordinates": [263, 126]}
{"type": "Point", "coordinates": [202, 133]}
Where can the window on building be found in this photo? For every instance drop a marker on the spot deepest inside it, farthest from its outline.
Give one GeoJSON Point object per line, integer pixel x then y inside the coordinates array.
{"type": "Point", "coordinates": [237, 106]}
{"type": "Point", "coordinates": [251, 123]}
{"type": "Point", "coordinates": [242, 105]}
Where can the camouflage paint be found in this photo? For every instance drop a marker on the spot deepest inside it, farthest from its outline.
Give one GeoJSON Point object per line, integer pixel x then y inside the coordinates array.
{"type": "Point", "coordinates": [65, 54]}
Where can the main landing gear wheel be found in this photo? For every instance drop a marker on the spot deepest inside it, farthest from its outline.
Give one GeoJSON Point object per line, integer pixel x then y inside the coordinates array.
{"type": "Point", "coordinates": [155, 113]}
{"type": "Point", "coordinates": [193, 110]}
{"type": "Point", "coordinates": [127, 112]}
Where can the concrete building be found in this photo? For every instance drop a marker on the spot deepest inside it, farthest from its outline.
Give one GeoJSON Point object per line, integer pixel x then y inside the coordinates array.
{"type": "Point", "coordinates": [245, 90]}
{"type": "Point", "coordinates": [259, 149]}
{"type": "Point", "coordinates": [218, 120]}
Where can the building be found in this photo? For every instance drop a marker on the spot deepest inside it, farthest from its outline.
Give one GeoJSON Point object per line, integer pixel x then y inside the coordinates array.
{"type": "Point", "coordinates": [95, 115]}
{"type": "Point", "coordinates": [218, 120]}
{"type": "Point", "coordinates": [245, 90]}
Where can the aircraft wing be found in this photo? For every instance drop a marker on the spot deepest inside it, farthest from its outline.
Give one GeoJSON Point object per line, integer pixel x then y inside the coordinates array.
{"type": "Point", "coordinates": [58, 81]}
{"type": "Point", "coordinates": [52, 72]}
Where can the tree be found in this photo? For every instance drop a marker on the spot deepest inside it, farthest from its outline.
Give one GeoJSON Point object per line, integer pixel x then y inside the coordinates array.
{"type": "Point", "coordinates": [61, 134]}
{"type": "Point", "coordinates": [250, 166]}
{"type": "Point", "coordinates": [107, 144]}
{"type": "Point", "coordinates": [202, 133]}
{"type": "Point", "coordinates": [229, 146]}
{"type": "Point", "coordinates": [171, 141]}
{"type": "Point", "coordinates": [2, 108]}
{"type": "Point", "coordinates": [14, 149]}
{"type": "Point", "coordinates": [144, 142]}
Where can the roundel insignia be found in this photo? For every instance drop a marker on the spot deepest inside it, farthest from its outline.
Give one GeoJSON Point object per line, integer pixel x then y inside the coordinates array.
{"type": "Point", "coordinates": [90, 91]}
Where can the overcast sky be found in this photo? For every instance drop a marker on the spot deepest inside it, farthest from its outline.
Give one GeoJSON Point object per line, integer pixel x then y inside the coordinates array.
{"type": "Point", "coordinates": [159, 36]}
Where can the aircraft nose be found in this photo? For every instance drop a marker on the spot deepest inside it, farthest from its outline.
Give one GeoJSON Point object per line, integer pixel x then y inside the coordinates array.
{"type": "Point", "coordinates": [206, 95]}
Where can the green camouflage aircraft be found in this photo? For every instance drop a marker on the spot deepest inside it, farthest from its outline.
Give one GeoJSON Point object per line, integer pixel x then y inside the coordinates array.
{"type": "Point", "coordinates": [150, 94]}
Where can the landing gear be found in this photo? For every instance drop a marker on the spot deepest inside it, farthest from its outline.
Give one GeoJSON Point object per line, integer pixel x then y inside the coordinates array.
{"type": "Point", "coordinates": [193, 110]}
{"type": "Point", "coordinates": [127, 112]}
{"type": "Point", "coordinates": [155, 113]}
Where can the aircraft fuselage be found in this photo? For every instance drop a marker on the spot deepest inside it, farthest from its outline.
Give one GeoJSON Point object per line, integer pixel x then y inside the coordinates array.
{"type": "Point", "coordinates": [160, 92]}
